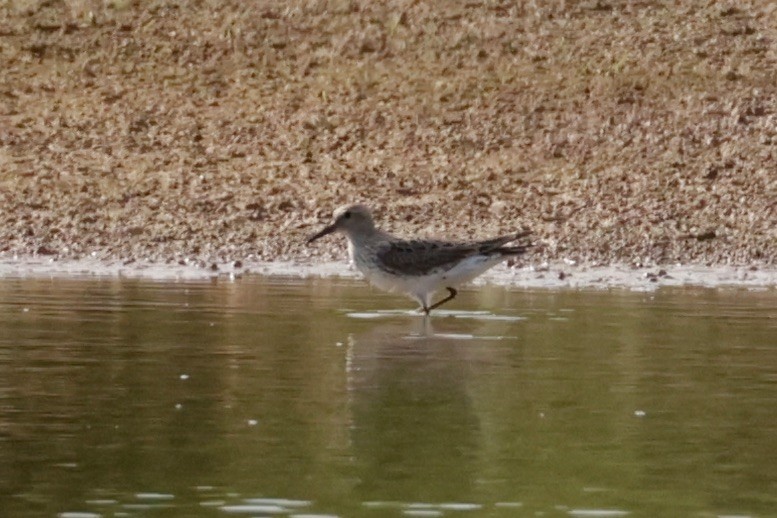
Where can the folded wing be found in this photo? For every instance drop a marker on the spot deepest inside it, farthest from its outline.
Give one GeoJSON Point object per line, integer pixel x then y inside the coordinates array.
{"type": "Point", "coordinates": [418, 257]}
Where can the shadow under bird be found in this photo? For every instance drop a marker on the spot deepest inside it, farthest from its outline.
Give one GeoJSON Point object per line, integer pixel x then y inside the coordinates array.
{"type": "Point", "coordinates": [416, 267]}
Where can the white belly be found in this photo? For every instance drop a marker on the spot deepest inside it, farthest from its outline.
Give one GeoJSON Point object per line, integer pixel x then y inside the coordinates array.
{"type": "Point", "coordinates": [422, 287]}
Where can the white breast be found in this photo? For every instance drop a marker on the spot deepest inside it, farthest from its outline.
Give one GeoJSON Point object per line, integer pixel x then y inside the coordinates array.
{"type": "Point", "coordinates": [422, 287]}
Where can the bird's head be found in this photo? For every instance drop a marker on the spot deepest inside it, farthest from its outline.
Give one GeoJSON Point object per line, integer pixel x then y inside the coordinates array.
{"type": "Point", "coordinates": [350, 220]}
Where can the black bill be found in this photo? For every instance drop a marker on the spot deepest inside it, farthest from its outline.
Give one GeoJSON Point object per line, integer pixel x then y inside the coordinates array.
{"type": "Point", "coordinates": [324, 232]}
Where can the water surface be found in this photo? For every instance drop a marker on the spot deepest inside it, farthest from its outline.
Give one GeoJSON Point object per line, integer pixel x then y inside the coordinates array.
{"type": "Point", "coordinates": [282, 397]}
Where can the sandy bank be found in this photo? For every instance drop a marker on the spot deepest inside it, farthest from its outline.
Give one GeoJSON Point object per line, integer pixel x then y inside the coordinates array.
{"type": "Point", "coordinates": [618, 132]}
{"type": "Point", "coordinates": [545, 276]}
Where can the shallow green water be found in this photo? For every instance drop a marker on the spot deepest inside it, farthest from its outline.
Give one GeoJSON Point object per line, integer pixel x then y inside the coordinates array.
{"type": "Point", "coordinates": [285, 397]}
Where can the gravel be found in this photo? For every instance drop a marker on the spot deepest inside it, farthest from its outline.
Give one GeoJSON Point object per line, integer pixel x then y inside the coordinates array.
{"type": "Point", "coordinates": [187, 132]}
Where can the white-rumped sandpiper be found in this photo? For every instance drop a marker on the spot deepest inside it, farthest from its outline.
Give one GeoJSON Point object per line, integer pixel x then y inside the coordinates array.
{"type": "Point", "coordinates": [416, 267]}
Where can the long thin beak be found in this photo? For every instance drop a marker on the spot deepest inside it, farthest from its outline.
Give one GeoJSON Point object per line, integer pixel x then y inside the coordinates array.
{"type": "Point", "coordinates": [324, 232]}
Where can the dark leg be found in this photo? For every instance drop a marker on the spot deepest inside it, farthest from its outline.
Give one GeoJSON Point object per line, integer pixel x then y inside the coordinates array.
{"type": "Point", "coordinates": [443, 301]}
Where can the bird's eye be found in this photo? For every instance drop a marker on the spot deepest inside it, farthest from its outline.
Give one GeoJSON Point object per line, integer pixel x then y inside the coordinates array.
{"type": "Point", "coordinates": [347, 215]}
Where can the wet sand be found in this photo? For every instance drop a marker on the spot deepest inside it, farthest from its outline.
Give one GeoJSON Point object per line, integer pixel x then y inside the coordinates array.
{"type": "Point", "coordinates": [542, 276]}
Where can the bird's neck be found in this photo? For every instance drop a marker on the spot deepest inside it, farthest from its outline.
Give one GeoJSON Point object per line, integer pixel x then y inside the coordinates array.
{"type": "Point", "coordinates": [365, 236]}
